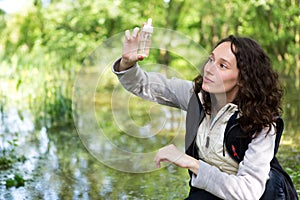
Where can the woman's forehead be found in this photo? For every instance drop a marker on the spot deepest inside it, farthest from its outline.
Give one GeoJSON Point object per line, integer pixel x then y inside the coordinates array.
{"type": "Point", "coordinates": [224, 51]}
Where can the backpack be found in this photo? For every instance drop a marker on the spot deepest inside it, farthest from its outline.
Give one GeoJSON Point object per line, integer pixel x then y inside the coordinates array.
{"type": "Point", "coordinates": [236, 147]}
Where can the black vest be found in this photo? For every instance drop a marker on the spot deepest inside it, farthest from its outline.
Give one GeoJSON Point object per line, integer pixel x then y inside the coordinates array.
{"type": "Point", "coordinates": [234, 144]}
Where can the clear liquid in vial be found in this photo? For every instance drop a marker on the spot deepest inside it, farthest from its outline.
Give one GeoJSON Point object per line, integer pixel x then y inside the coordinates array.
{"type": "Point", "coordinates": [145, 39]}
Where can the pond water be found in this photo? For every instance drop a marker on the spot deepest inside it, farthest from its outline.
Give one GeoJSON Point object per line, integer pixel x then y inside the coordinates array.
{"type": "Point", "coordinates": [58, 166]}
{"type": "Point", "coordinates": [59, 162]}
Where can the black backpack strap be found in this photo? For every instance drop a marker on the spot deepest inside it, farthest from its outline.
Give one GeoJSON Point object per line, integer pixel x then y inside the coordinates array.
{"type": "Point", "coordinates": [195, 115]}
{"type": "Point", "coordinates": [231, 122]}
{"type": "Point", "coordinates": [235, 140]}
{"type": "Point", "coordinates": [279, 130]}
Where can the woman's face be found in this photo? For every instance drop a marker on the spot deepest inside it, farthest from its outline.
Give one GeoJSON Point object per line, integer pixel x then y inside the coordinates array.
{"type": "Point", "coordinates": [221, 72]}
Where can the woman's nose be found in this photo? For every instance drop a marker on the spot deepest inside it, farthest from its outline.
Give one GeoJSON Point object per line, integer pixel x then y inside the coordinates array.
{"type": "Point", "coordinates": [210, 67]}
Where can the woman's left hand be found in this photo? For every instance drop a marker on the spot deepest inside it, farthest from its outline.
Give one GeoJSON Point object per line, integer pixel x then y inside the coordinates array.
{"type": "Point", "coordinates": [172, 154]}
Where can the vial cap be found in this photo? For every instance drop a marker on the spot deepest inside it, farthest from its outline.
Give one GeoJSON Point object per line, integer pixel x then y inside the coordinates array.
{"type": "Point", "coordinates": [148, 27]}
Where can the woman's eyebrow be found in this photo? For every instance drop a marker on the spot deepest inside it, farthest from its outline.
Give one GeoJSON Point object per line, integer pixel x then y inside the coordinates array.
{"type": "Point", "coordinates": [222, 59]}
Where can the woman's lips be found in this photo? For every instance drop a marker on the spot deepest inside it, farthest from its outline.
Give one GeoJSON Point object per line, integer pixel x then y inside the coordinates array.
{"type": "Point", "coordinates": [207, 80]}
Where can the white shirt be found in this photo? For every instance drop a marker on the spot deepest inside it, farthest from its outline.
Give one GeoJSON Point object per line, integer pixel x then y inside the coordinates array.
{"type": "Point", "coordinates": [214, 129]}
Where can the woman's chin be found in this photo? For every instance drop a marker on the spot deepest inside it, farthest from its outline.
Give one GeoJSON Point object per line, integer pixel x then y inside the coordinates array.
{"type": "Point", "coordinates": [206, 88]}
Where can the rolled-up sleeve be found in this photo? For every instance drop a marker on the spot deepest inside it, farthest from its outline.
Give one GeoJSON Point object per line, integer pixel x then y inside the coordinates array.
{"type": "Point", "coordinates": [253, 172]}
{"type": "Point", "coordinates": [155, 86]}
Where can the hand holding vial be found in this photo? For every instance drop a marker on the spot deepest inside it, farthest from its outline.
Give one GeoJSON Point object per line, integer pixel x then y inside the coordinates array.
{"type": "Point", "coordinates": [136, 46]}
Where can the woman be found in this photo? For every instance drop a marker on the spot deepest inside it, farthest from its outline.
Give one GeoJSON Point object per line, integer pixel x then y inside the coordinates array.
{"type": "Point", "coordinates": [237, 78]}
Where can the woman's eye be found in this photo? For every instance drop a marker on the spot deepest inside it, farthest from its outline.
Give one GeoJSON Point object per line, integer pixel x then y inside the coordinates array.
{"type": "Point", "coordinates": [223, 65]}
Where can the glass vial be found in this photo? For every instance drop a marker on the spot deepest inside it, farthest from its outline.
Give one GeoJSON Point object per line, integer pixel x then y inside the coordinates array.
{"type": "Point", "coordinates": [145, 39]}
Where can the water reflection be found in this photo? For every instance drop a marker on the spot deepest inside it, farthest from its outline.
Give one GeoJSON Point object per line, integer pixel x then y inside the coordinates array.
{"type": "Point", "coordinates": [12, 124]}
{"type": "Point", "coordinates": [58, 166]}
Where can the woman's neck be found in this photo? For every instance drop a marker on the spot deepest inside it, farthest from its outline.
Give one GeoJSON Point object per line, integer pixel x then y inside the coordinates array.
{"type": "Point", "coordinates": [217, 102]}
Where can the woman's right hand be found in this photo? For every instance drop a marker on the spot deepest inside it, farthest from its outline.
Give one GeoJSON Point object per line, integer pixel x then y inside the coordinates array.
{"type": "Point", "coordinates": [130, 47]}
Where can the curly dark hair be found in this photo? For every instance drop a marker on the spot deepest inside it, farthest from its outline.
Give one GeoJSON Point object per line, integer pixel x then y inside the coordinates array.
{"type": "Point", "coordinates": [260, 93]}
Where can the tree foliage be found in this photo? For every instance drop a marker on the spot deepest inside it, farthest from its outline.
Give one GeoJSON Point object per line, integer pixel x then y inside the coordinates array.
{"type": "Point", "coordinates": [70, 29]}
